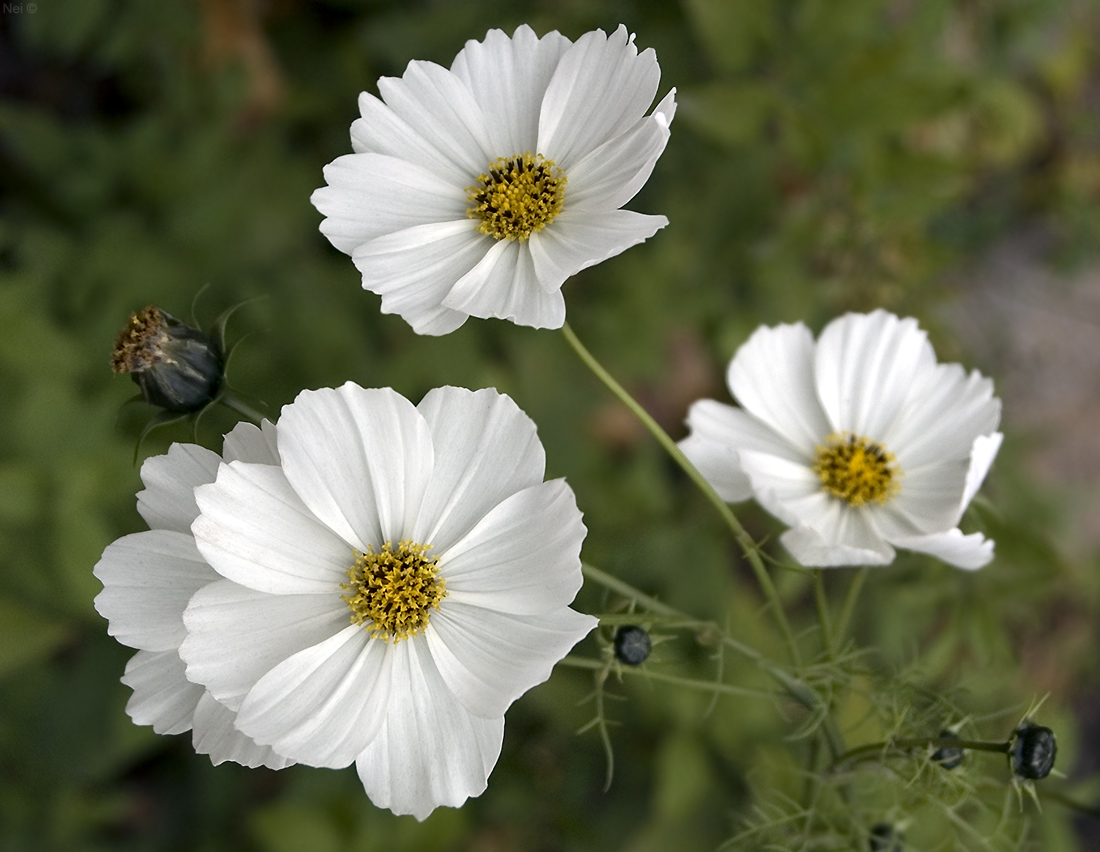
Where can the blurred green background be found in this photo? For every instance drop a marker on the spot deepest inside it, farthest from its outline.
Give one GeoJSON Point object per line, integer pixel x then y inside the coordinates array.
{"type": "Point", "coordinates": [940, 158]}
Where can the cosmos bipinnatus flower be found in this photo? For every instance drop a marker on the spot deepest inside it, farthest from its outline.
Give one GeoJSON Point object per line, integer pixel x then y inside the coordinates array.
{"type": "Point", "coordinates": [861, 442]}
{"type": "Point", "coordinates": [178, 368]}
{"type": "Point", "coordinates": [477, 190]}
{"type": "Point", "coordinates": [388, 588]}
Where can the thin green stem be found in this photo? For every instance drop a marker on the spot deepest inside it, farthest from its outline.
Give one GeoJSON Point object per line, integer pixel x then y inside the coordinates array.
{"type": "Point", "coordinates": [873, 750]}
{"type": "Point", "coordinates": [234, 402]}
{"type": "Point", "coordinates": [748, 546]}
{"type": "Point", "coordinates": [1080, 807]}
{"type": "Point", "coordinates": [821, 600]}
{"type": "Point", "coordinates": [693, 683]}
{"type": "Point", "coordinates": [794, 687]}
{"type": "Point", "coordinates": [849, 605]}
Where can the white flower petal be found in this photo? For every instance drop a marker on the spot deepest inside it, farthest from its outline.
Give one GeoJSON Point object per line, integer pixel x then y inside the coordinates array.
{"type": "Point", "coordinates": [371, 195]}
{"type": "Point", "coordinates": [440, 108]}
{"type": "Point", "coordinates": [324, 704]}
{"type": "Point", "coordinates": [780, 358]}
{"type": "Point", "coordinates": [983, 451]}
{"type": "Point", "coordinates": [508, 78]}
{"type": "Point", "coordinates": [600, 88]}
{"type": "Point", "coordinates": [578, 239]}
{"type": "Point", "coordinates": [382, 131]}
{"type": "Point", "coordinates": [430, 751]}
{"type": "Point", "coordinates": [414, 270]}
{"type": "Point", "coordinates": [944, 415]}
{"type": "Point", "coordinates": [252, 444]}
{"type": "Point", "coordinates": [810, 548]}
{"type": "Point", "coordinates": [148, 578]}
{"type": "Point", "coordinates": [255, 531]}
{"type": "Point", "coordinates": [504, 285]}
{"type": "Point", "coordinates": [866, 366]}
{"type": "Point", "coordinates": [162, 697]}
{"type": "Point", "coordinates": [168, 501]}
{"type": "Point", "coordinates": [930, 499]}
{"type": "Point", "coordinates": [788, 489]}
{"type": "Point", "coordinates": [489, 659]}
{"type": "Point", "coordinates": [523, 557]}
{"type": "Point", "coordinates": [360, 459]}
{"type": "Point", "coordinates": [472, 432]}
{"type": "Point", "coordinates": [612, 174]}
{"type": "Point", "coordinates": [718, 433]}
{"type": "Point", "coordinates": [236, 635]}
{"type": "Point", "coordinates": [213, 734]}
{"type": "Point", "coordinates": [963, 551]}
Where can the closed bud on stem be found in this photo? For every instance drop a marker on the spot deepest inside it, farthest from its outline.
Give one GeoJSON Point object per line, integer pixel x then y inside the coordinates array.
{"type": "Point", "coordinates": [1032, 753]}
{"type": "Point", "coordinates": [632, 645]}
{"type": "Point", "coordinates": [945, 756]}
{"type": "Point", "coordinates": [884, 838]}
{"type": "Point", "coordinates": [178, 368]}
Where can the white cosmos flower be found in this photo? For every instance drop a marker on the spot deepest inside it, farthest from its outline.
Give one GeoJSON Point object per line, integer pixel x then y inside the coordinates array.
{"type": "Point", "coordinates": [389, 589]}
{"type": "Point", "coordinates": [860, 442]}
{"type": "Point", "coordinates": [149, 577]}
{"type": "Point", "coordinates": [478, 190]}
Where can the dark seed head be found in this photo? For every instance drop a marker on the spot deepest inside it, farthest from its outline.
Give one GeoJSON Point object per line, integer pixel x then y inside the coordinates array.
{"type": "Point", "coordinates": [884, 838]}
{"type": "Point", "coordinates": [947, 756]}
{"type": "Point", "coordinates": [178, 368]}
{"type": "Point", "coordinates": [1033, 752]}
{"type": "Point", "coordinates": [632, 645]}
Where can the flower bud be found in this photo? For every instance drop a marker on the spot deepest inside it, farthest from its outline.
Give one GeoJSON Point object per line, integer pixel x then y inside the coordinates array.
{"type": "Point", "coordinates": [947, 756]}
{"type": "Point", "coordinates": [632, 645]}
{"type": "Point", "coordinates": [884, 838]}
{"type": "Point", "coordinates": [178, 368]}
{"type": "Point", "coordinates": [1033, 751]}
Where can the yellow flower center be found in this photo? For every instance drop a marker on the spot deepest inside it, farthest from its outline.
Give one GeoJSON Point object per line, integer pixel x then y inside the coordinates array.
{"type": "Point", "coordinates": [857, 470]}
{"type": "Point", "coordinates": [393, 592]}
{"type": "Point", "coordinates": [517, 197]}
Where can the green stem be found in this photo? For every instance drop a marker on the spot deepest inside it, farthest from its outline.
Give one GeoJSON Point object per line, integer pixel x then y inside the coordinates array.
{"type": "Point", "coordinates": [821, 600]}
{"type": "Point", "coordinates": [872, 750]}
{"type": "Point", "coordinates": [849, 605]}
{"type": "Point", "coordinates": [706, 685]}
{"type": "Point", "coordinates": [748, 546]}
{"type": "Point", "coordinates": [1080, 807]}
{"type": "Point", "coordinates": [794, 687]}
{"type": "Point", "coordinates": [234, 402]}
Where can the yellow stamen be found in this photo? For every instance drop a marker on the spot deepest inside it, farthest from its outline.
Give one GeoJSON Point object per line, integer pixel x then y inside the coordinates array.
{"type": "Point", "coordinates": [517, 197]}
{"type": "Point", "coordinates": [392, 593]}
{"type": "Point", "coordinates": [857, 470]}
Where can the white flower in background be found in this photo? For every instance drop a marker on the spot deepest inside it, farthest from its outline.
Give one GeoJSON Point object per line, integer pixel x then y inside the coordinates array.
{"type": "Point", "coordinates": [389, 589]}
{"type": "Point", "coordinates": [148, 578]}
{"type": "Point", "coordinates": [478, 190]}
{"type": "Point", "coordinates": [860, 443]}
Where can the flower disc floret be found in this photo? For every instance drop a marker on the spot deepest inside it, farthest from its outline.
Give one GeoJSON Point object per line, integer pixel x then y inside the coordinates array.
{"type": "Point", "coordinates": [392, 593]}
{"type": "Point", "coordinates": [857, 470]}
{"type": "Point", "coordinates": [518, 196]}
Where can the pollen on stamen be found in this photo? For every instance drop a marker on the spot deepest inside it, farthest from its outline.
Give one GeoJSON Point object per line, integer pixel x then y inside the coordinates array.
{"type": "Point", "coordinates": [393, 592]}
{"type": "Point", "coordinates": [517, 196]}
{"type": "Point", "coordinates": [857, 470]}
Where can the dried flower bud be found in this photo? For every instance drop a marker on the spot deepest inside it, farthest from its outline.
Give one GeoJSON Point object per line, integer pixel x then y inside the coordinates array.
{"type": "Point", "coordinates": [632, 645]}
{"type": "Point", "coordinates": [947, 756]}
{"type": "Point", "coordinates": [1033, 751]}
{"type": "Point", "coordinates": [884, 839]}
{"type": "Point", "coordinates": [178, 368]}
